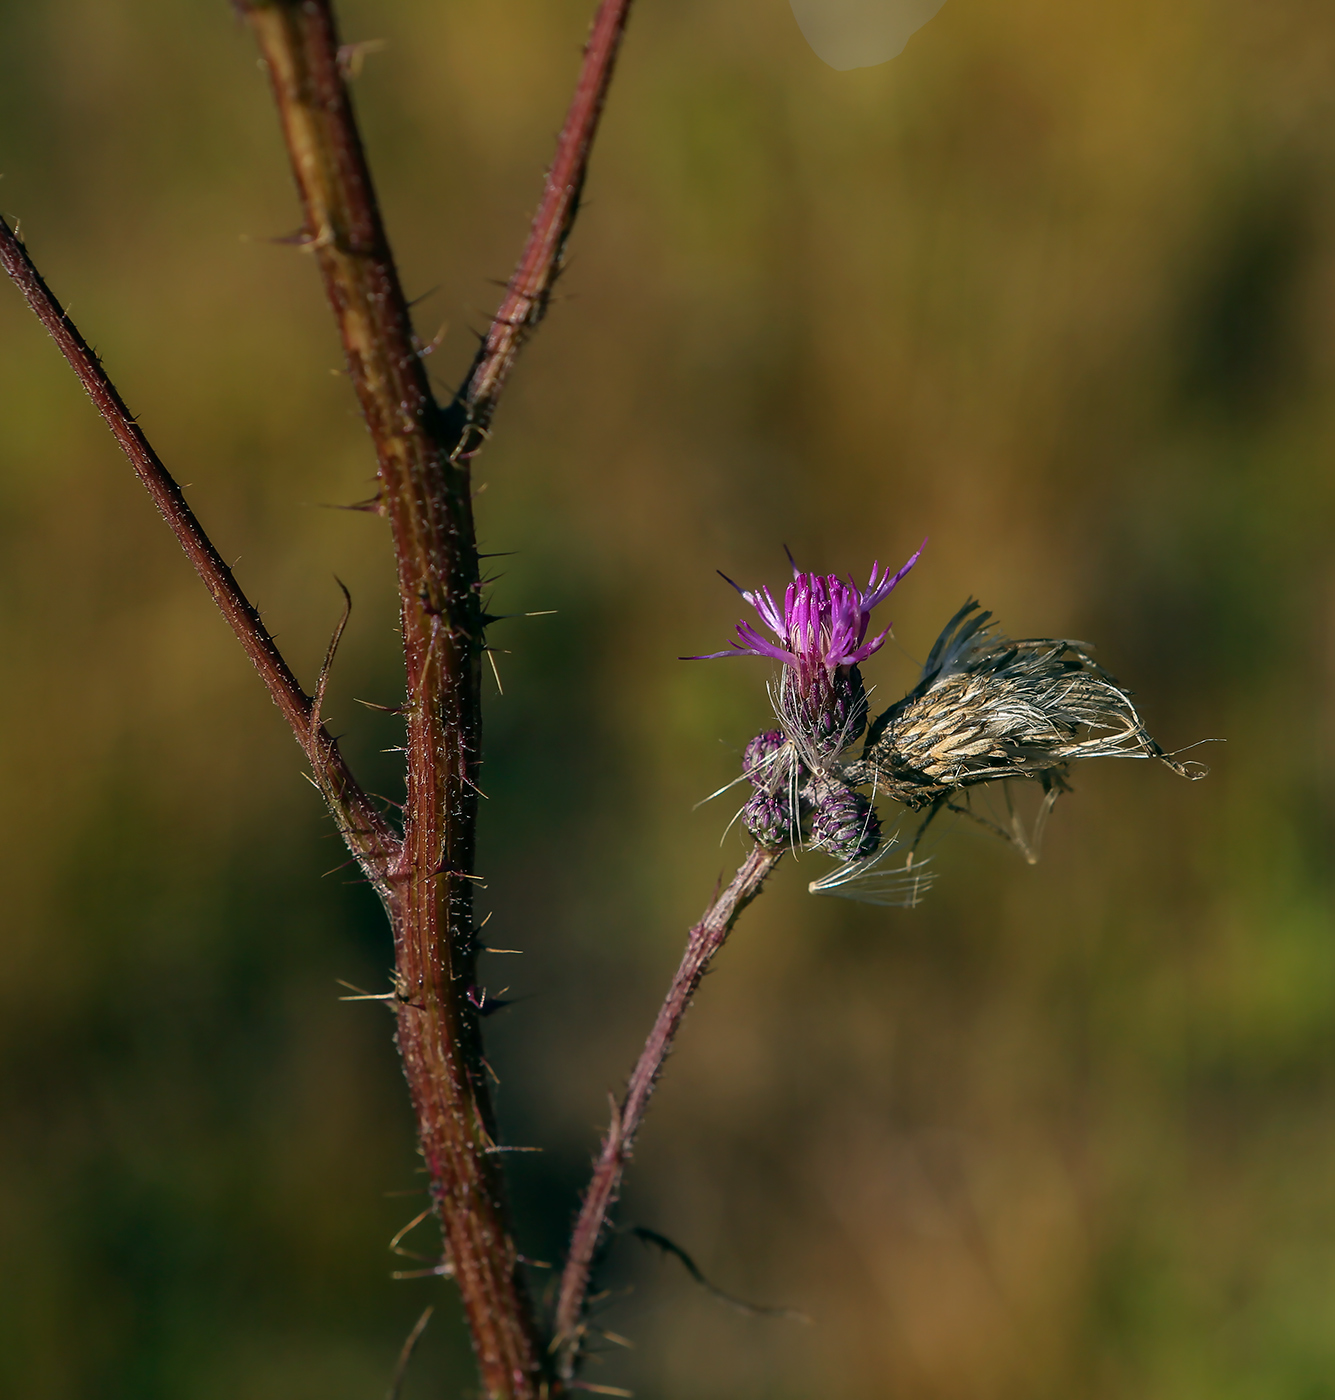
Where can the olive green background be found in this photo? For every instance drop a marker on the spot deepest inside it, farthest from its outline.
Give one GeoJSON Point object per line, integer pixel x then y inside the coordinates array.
{"type": "Point", "coordinates": [1056, 288]}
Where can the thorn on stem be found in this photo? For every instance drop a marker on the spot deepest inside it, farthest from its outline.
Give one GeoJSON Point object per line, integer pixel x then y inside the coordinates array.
{"type": "Point", "coordinates": [317, 706]}
{"type": "Point", "coordinates": [406, 1354]}
{"type": "Point", "coordinates": [407, 1230]}
{"type": "Point", "coordinates": [441, 1270]}
{"type": "Point", "coordinates": [372, 505]}
{"type": "Point", "coordinates": [495, 670]}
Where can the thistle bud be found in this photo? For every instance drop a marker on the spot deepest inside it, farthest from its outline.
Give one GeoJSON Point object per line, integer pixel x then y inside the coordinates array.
{"type": "Point", "coordinates": [761, 762]}
{"type": "Point", "coordinates": [845, 823]}
{"type": "Point", "coordinates": [769, 818]}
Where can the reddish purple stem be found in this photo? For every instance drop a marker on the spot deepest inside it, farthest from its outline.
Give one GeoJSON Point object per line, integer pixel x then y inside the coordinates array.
{"type": "Point", "coordinates": [371, 838]}
{"type": "Point", "coordinates": [530, 287]}
{"type": "Point", "coordinates": [705, 940]}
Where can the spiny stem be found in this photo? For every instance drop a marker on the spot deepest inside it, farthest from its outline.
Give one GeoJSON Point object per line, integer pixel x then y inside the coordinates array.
{"type": "Point", "coordinates": [425, 495]}
{"type": "Point", "coordinates": [423, 453]}
{"type": "Point", "coordinates": [530, 287]}
{"type": "Point", "coordinates": [704, 941]}
{"type": "Point", "coordinates": [369, 836]}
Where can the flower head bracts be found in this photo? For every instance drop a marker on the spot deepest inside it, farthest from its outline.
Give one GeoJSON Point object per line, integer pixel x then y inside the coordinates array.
{"type": "Point", "coordinates": [823, 625]}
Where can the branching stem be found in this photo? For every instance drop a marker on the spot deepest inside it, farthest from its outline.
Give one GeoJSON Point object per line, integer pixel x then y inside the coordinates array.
{"type": "Point", "coordinates": [425, 495]}
{"type": "Point", "coordinates": [423, 451]}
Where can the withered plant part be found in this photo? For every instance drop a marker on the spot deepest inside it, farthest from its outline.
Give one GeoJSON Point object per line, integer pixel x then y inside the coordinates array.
{"type": "Point", "coordinates": [989, 708]}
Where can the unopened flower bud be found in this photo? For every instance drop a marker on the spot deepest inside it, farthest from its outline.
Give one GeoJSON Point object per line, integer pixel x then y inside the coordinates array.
{"type": "Point", "coordinates": [844, 715]}
{"type": "Point", "coordinates": [845, 824]}
{"type": "Point", "coordinates": [768, 817]}
{"type": "Point", "coordinates": [830, 713]}
{"type": "Point", "coordinates": [761, 763]}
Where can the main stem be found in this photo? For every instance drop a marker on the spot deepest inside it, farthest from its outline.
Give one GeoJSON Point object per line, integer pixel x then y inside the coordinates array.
{"type": "Point", "coordinates": [425, 494]}
{"type": "Point", "coordinates": [705, 940]}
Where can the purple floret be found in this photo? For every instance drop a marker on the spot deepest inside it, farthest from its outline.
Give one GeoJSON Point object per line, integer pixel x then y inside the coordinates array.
{"type": "Point", "coordinates": [823, 625]}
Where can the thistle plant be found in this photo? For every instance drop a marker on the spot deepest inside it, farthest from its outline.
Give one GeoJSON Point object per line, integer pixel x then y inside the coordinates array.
{"type": "Point", "coordinates": [821, 705]}
{"type": "Point", "coordinates": [986, 710]}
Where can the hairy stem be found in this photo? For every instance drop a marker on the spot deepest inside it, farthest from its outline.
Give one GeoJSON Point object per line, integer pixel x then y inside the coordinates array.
{"type": "Point", "coordinates": [369, 836]}
{"type": "Point", "coordinates": [530, 287]}
{"type": "Point", "coordinates": [425, 495]}
{"type": "Point", "coordinates": [705, 940]}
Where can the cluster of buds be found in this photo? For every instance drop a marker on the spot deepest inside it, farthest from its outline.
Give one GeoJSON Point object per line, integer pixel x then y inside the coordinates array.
{"type": "Point", "coordinates": [791, 797]}
{"type": "Point", "coordinates": [985, 709]}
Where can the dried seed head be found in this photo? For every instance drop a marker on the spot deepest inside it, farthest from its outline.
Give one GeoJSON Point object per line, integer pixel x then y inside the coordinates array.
{"type": "Point", "coordinates": [988, 708]}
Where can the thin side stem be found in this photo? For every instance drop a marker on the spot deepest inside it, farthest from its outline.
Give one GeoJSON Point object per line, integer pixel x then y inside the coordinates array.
{"type": "Point", "coordinates": [530, 287]}
{"type": "Point", "coordinates": [426, 497]}
{"type": "Point", "coordinates": [704, 942]}
{"type": "Point", "coordinates": [370, 838]}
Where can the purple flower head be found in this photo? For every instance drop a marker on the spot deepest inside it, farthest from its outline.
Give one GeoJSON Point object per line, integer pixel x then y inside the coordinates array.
{"type": "Point", "coordinates": [823, 625]}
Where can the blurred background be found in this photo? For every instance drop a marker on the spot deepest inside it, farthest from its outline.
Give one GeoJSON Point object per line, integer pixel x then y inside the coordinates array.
{"type": "Point", "coordinates": [1055, 288]}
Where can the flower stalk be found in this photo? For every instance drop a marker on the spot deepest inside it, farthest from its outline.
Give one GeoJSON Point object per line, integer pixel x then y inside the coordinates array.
{"type": "Point", "coordinates": [529, 289]}
{"type": "Point", "coordinates": [702, 946]}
